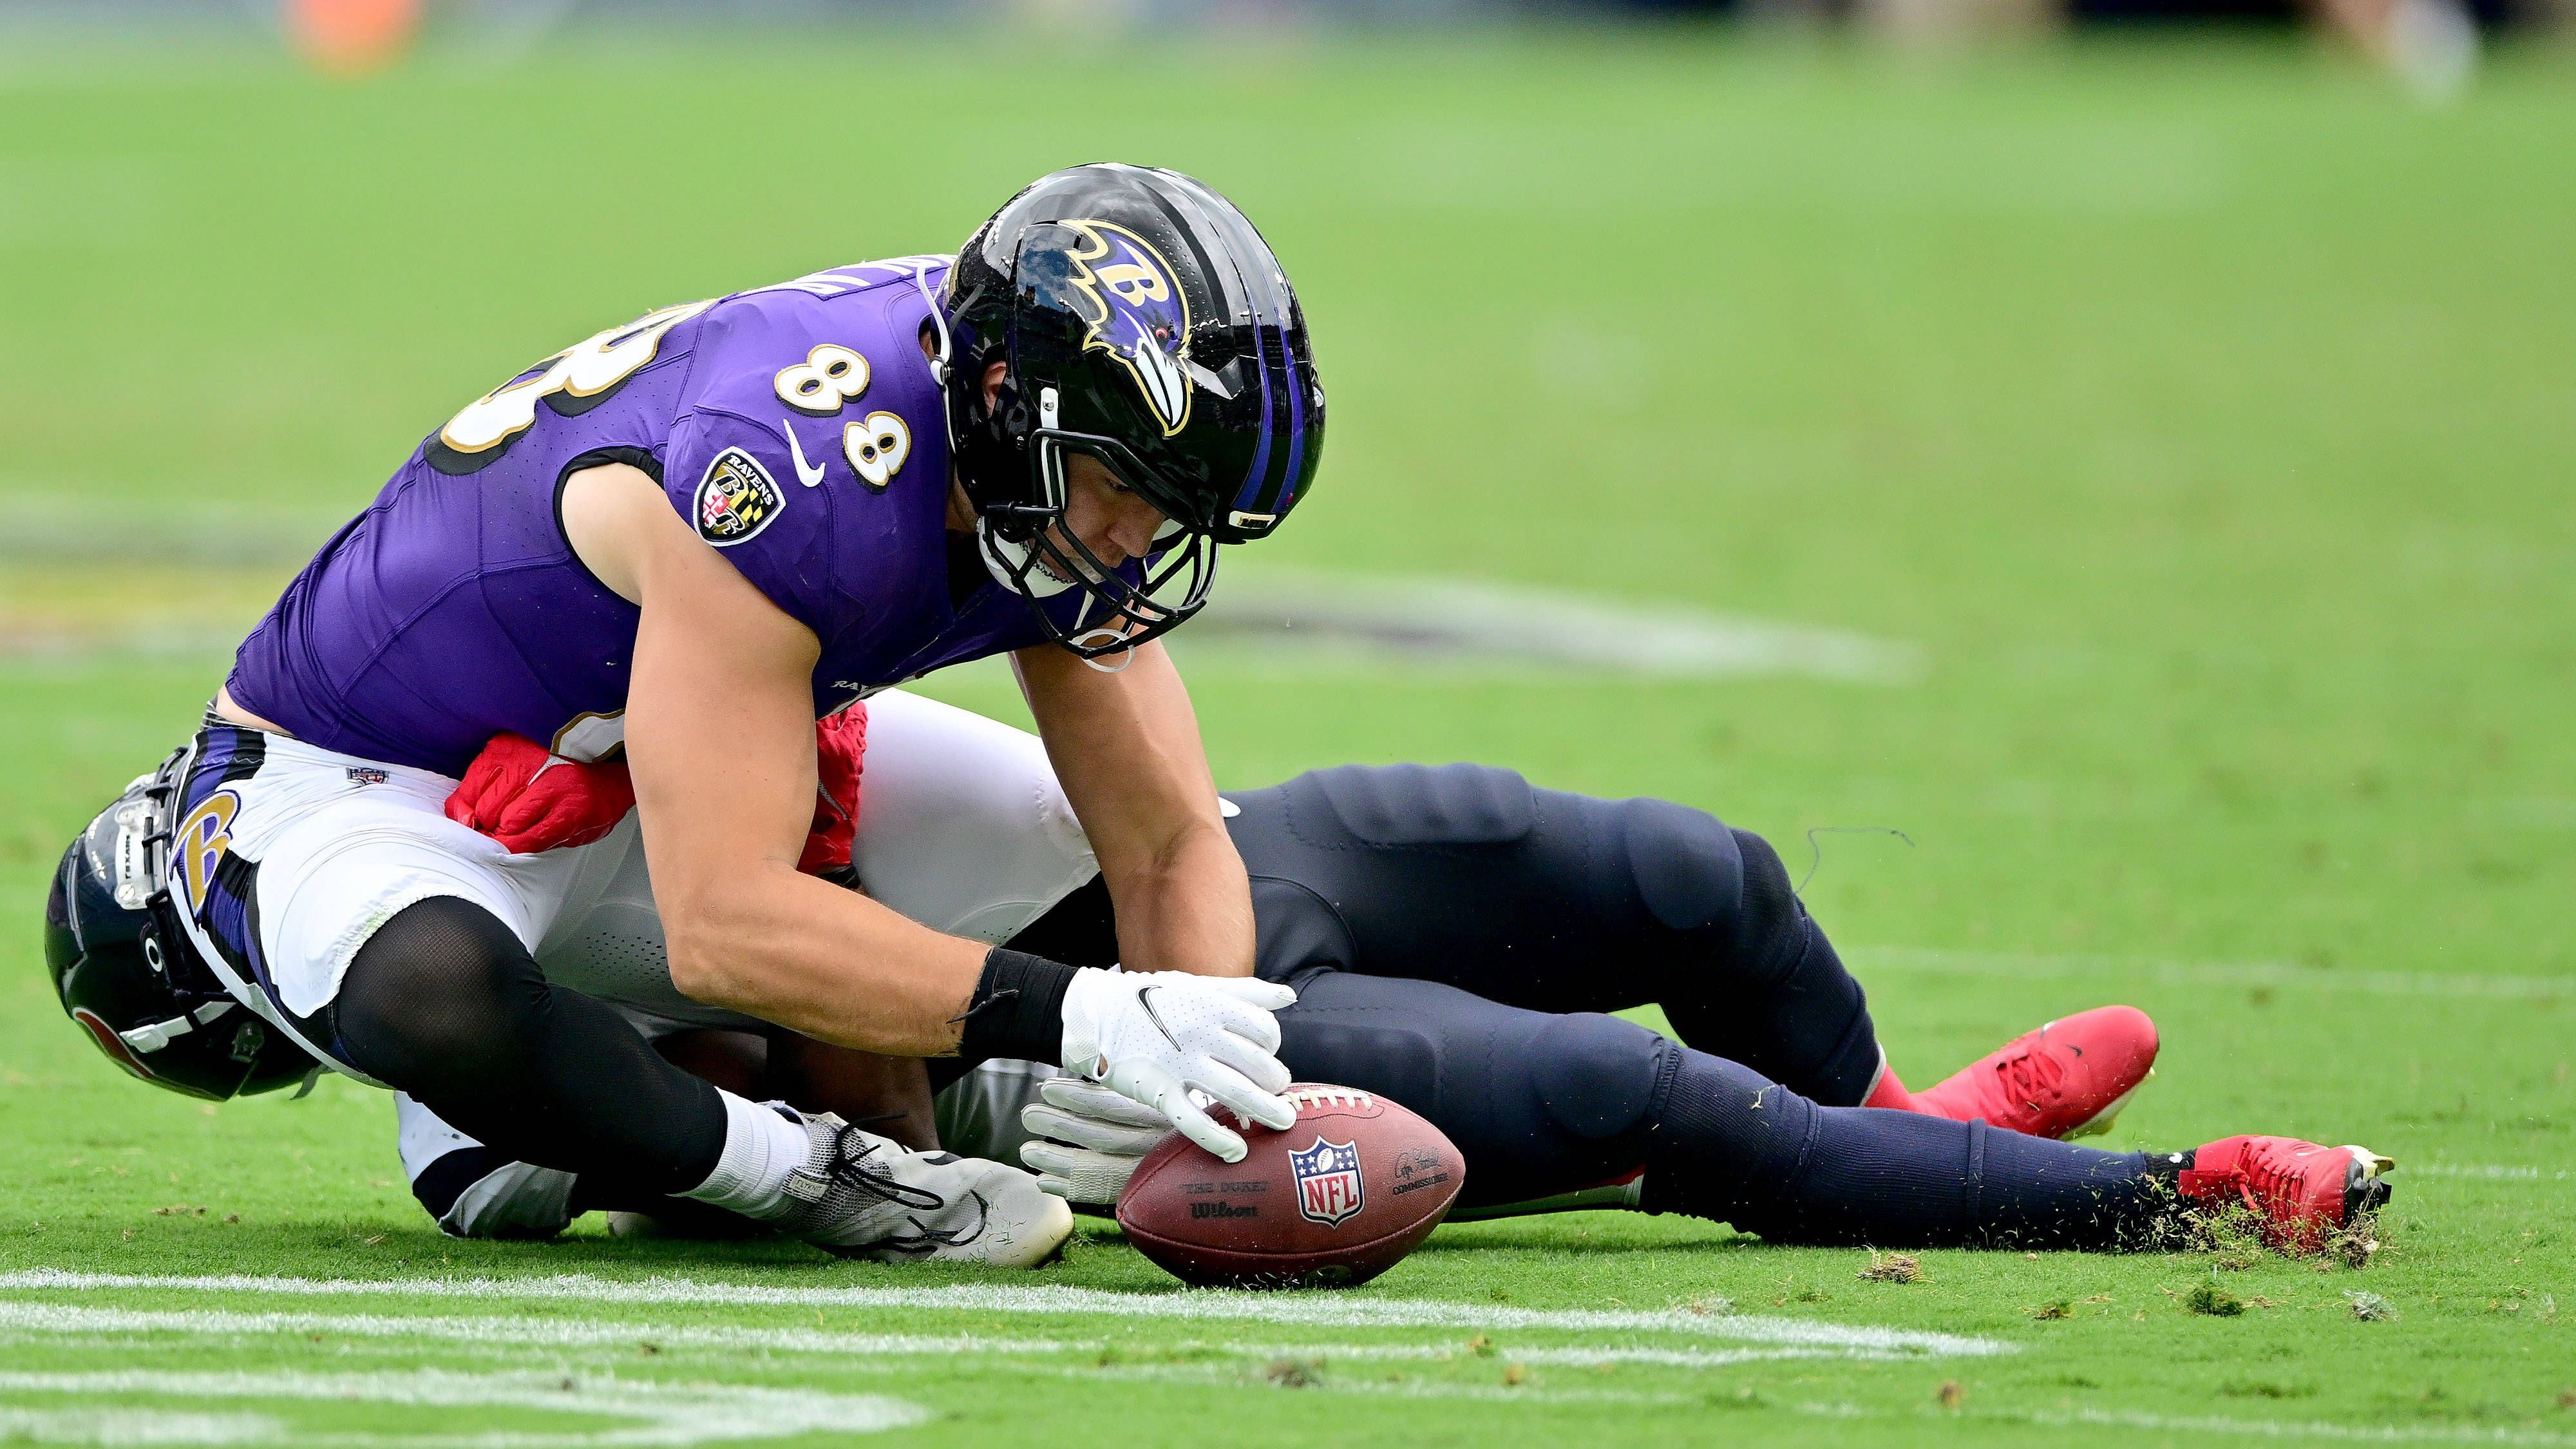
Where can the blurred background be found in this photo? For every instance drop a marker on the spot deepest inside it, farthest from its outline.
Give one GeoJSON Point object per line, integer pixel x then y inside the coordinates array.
{"type": "Point", "coordinates": [2127, 449]}
{"type": "Point", "coordinates": [2433, 45]}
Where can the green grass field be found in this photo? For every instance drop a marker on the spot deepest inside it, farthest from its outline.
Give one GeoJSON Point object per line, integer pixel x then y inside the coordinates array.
{"type": "Point", "coordinates": [2198, 409]}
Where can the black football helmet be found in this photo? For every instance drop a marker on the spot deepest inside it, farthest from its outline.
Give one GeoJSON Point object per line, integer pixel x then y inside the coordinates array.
{"type": "Point", "coordinates": [131, 980]}
{"type": "Point", "coordinates": [1142, 321]}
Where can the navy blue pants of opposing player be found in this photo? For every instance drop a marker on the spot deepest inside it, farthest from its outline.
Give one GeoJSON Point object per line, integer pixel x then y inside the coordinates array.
{"type": "Point", "coordinates": [1456, 936]}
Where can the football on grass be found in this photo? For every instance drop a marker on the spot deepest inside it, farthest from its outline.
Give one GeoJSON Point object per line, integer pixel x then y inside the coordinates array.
{"type": "Point", "coordinates": [1335, 1200]}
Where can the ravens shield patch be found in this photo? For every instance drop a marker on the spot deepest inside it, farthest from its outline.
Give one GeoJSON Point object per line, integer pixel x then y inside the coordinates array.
{"type": "Point", "coordinates": [736, 499]}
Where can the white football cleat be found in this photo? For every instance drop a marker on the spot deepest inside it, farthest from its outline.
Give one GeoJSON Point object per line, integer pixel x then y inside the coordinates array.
{"type": "Point", "coordinates": [864, 1196]}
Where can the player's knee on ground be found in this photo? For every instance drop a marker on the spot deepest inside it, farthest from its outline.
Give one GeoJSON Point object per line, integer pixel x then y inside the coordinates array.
{"type": "Point", "coordinates": [472, 1195]}
{"type": "Point", "coordinates": [472, 1190]}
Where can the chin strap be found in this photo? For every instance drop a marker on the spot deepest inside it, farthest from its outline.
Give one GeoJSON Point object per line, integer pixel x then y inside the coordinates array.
{"type": "Point", "coordinates": [1011, 564]}
{"type": "Point", "coordinates": [939, 322]}
{"type": "Point", "coordinates": [1124, 657]}
{"type": "Point", "coordinates": [153, 1036]}
{"type": "Point", "coordinates": [940, 365]}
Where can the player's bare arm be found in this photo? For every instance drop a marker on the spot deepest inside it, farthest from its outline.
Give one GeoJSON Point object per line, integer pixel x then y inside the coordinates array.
{"type": "Point", "coordinates": [682, 548]}
{"type": "Point", "coordinates": [1124, 741]}
{"type": "Point", "coordinates": [723, 826]}
{"type": "Point", "coordinates": [1183, 901]}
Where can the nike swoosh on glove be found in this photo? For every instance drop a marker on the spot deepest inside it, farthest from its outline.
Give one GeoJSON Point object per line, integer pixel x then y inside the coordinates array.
{"type": "Point", "coordinates": [1088, 1139]}
{"type": "Point", "coordinates": [530, 800]}
{"type": "Point", "coordinates": [1151, 1036]}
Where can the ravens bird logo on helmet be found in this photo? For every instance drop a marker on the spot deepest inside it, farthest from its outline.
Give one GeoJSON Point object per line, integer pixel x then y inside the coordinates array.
{"type": "Point", "coordinates": [1144, 315]}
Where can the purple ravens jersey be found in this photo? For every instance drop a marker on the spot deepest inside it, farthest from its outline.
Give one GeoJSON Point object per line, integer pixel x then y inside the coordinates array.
{"type": "Point", "coordinates": [796, 427]}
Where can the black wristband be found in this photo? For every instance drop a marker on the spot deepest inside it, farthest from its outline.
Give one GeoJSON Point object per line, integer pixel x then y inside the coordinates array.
{"type": "Point", "coordinates": [1017, 1009]}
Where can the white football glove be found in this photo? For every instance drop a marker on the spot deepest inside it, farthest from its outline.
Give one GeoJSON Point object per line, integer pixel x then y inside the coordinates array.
{"type": "Point", "coordinates": [1098, 1137]}
{"type": "Point", "coordinates": [1153, 1035]}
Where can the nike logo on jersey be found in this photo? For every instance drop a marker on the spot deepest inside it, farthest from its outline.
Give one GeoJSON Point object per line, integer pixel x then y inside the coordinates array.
{"type": "Point", "coordinates": [809, 474]}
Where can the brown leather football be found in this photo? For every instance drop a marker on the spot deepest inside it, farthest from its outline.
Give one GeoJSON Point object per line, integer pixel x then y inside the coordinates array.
{"type": "Point", "coordinates": [1335, 1200]}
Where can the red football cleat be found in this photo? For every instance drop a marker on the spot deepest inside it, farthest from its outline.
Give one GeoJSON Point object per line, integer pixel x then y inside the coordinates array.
{"type": "Point", "coordinates": [2070, 1078]}
{"type": "Point", "coordinates": [2299, 1189]}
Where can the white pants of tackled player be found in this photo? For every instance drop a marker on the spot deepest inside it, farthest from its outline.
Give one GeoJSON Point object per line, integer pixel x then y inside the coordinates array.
{"type": "Point", "coordinates": [962, 827]}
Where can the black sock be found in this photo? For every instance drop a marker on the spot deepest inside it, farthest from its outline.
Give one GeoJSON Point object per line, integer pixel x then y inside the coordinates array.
{"type": "Point", "coordinates": [2168, 1167]}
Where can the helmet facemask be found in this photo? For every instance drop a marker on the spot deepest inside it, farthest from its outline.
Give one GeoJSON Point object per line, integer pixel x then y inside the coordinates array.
{"type": "Point", "coordinates": [124, 973]}
{"type": "Point", "coordinates": [1136, 317]}
{"type": "Point", "coordinates": [1033, 550]}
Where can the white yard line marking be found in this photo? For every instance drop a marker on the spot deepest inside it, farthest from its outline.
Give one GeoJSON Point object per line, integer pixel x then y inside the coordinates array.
{"type": "Point", "coordinates": [2292, 1428]}
{"type": "Point", "coordinates": [166, 535]}
{"type": "Point", "coordinates": [2213, 973]}
{"type": "Point", "coordinates": [2489, 1171]}
{"type": "Point", "coordinates": [1273, 617]}
{"type": "Point", "coordinates": [1266, 621]}
{"type": "Point", "coordinates": [63, 1319]}
{"type": "Point", "coordinates": [2222, 1424]}
{"type": "Point", "coordinates": [1321, 1310]}
{"type": "Point", "coordinates": [661, 1413]}
{"type": "Point", "coordinates": [118, 1427]}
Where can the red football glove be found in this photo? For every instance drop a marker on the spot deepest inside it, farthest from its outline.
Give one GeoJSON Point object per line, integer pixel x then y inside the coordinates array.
{"type": "Point", "coordinates": [530, 800]}
{"type": "Point", "coordinates": [840, 745]}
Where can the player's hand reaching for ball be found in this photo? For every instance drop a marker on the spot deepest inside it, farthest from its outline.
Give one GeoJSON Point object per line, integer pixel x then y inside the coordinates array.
{"type": "Point", "coordinates": [1151, 1036]}
{"type": "Point", "coordinates": [1087, 1139]}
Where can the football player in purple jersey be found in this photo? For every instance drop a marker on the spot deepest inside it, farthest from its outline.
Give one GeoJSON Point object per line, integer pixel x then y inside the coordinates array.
{"type": "Point", "coordinates": [683, 540]}
{"type": "Point", "coordinates": [633, 549]}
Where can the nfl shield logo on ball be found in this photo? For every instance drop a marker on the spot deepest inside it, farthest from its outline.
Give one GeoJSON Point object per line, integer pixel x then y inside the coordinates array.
{"type": "Point", "coordinates": [1328, 1181]}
